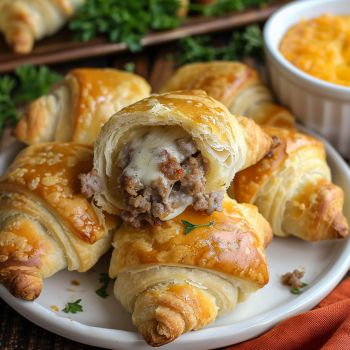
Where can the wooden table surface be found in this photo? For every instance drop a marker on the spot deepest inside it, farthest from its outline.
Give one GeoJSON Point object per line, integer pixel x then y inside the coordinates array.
{"type": "Point", "coordinates": [16, 333]}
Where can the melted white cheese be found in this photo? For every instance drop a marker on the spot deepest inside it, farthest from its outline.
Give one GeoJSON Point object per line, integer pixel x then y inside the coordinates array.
{"type": "Point", "coordinates": [146, 148]}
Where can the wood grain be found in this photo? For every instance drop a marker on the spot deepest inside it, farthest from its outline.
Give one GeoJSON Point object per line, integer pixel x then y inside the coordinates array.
{"type": "Point", "coordinates": [62, 48]}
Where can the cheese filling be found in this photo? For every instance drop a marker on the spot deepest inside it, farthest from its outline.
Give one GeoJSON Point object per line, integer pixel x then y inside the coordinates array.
{"type": "Point", "coordinates": [147, 153]}
{"type": "Point", "coordinates": [162, 173]}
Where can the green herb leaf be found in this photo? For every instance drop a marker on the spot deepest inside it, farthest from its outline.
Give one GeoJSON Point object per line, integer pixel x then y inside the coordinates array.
{"type": "Point", "coordinates": [244, 43]}
{"type": "Point", "coordinates": [299, 290]}
{"type": "Point", "coordinates": [124, 21]}
{"type": "Point", "coordinates": [34, 82]}
{"type": "Point", "coordinates": [190, 227]}
{"type": "Point", "coordinates": [73, 308]}
{"type": "Point", "coordinates": [222, 7]}
{"type": "Point", "coordinates": [129, 67]}
{"type": "Point", "coordinates": [25, 85]}
{"type": "Point", "coordinates": [102, 291]}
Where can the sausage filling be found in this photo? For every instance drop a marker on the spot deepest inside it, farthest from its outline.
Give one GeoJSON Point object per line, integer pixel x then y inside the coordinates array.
{"type": "Point", "coordinates": [162, 173]}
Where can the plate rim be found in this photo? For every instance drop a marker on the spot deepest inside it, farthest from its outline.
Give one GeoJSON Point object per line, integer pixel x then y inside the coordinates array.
{"type": "Point", "coordinates": [221, 335]}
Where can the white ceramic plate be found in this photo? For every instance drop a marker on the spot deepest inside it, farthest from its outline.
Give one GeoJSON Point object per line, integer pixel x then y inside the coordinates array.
{"type": "Point", "coordinates": [105, 324]}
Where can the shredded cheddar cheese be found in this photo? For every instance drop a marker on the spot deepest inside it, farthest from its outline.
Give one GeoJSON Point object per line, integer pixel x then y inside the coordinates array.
{"type": "Point", "coordinates": [320, 47]}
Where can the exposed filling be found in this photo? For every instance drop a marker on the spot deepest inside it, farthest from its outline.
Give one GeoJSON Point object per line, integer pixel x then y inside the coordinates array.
{"type": "Point", "coordinates": [163, 173]}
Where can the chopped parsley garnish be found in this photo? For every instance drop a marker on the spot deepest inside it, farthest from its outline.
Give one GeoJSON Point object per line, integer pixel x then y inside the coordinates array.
{"type": "Point", "coordinates": [190, 227]}
{"type": "Point", "coordinates": [293, 280]}
{"type": "Point", "coordinates": [244, 43]}
{"type": "Point", "coordinates": [104, 280]}
{"type": "Point", "coordinates": [25, 85]}
{"type": "Point", "coordinates": [129, 67]}
{"type": "Point", "coordinates": [73, 308]}
{"type": "Point", "coordinates": [298, 291]}
{"type": "Point", "coordinates": [124, 21]}
{"type": "Point", "coordinates": [222, 7]}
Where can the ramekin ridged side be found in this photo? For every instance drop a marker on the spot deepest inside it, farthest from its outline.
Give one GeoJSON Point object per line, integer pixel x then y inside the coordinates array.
{"type": "Point", "coordinates": [323, 106]}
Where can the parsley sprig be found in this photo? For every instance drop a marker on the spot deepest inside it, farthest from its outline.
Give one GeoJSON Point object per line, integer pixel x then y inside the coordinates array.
{"type": "Point", "coordinates": [27, 84]}
{"type": "Point", "coordinates": [102, 291]}
{"type": "Point", "coordinates": [74, 307]}
{"type": "Point", "coordinates": [189, 227]}
{"type": "Point", "coordinates": [124, 21]}
{"type": "Point", "coordinates": [298, 290]}
{"type": "Point", "coordinates": [247, 42]}
{"type": "Point", "coordinates": [222, 7]}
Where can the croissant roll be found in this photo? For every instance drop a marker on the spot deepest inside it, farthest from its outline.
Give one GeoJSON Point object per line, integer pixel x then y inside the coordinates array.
{"type": "Point", "coordinates": [173, 282]}
{"type": "Point", "coordinates": [237, 86]}
{"type": "Point", "coordinates": [292, 188]}
{"type": "Point", "coordinates": [25, 21]}
{"type": "Point", "coordinates": [164, 153]}
{"type": "Point", "coordinates": [46, 224]}
{"type": "Point", "coordinates": [76, 109]}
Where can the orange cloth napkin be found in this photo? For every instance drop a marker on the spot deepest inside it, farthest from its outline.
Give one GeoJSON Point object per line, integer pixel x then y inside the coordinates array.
{"type": "Point", "coordinates": [326, 327]}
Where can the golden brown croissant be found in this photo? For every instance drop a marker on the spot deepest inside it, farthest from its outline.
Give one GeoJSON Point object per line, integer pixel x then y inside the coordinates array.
{"type": "Point", "coordinates": [45, 223]}
{"type": "Point", "coordinates": [237, 86]}
{"type": "Point", "coordinates": [25, 21]}
{"type": "Point", "coordinates": [292, 188]}
{"type": "Point", "coordinates": [173, 281]}
{"type": "Point", "coordinates": [77, 108]}
{"type": "Point", "coordinates": [164, 153]}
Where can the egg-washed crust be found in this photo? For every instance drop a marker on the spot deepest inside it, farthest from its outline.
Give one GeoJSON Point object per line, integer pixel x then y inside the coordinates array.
{"type": "Point", "coordinates": [99, 94]}
{"type": "Point", "coordinates": [227, 143]}
{"type": "Point", "coordinates": [237, 86]}
{"type": "Point", "coordinates": [221, 80]}
{"type": "Point", "coordinates": [248, 182]}
{"type": "Point", "coordinates": [233, 245]}
{"type": "Point", "coordinates": [293, 190]}
{"type": "Point", "coordinates": [50, 172]}
{"type": "Point", "coordinates": [76, 109]}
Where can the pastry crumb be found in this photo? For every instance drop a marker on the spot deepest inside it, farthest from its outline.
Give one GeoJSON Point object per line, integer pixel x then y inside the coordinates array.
{"type": "Point", "coordinates": [54, 308]}
{"type": "Point", "coordinates": [75, 283]}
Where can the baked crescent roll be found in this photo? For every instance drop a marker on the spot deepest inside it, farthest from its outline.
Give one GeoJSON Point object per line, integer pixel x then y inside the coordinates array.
{"type": "Point", "coordinates": [25, 21]}
{"type": "Point", "coordinates": [164, 153]}
{"type": "Point", "coordinates": [45, 223]}
{"type": "Point", "coordinates": [237, 86]}
{"type": "Point", "coordinates": [173, 282]}
{"type": "Point", "coordinates": [292, 188]}
{"type": "Point", "coordinates": [77, 108]}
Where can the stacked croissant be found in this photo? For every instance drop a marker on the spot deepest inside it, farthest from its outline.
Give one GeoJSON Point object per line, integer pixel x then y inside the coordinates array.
{"type": "Point", "coordinates": [185, 189]}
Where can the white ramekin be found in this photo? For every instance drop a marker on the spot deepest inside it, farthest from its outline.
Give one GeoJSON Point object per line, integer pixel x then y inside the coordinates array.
{"type": "Point", "coordinates": [323, 106]}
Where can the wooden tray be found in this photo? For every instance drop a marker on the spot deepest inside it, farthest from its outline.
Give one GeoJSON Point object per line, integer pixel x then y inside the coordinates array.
{"type": "Point", "coordinates": [62, 48]}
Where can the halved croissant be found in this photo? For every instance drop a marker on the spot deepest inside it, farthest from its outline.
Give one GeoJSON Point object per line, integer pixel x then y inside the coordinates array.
{"type": "Point", "coordinates": [25, 21]}
{"type": "Point", "coordinates": [173, 282]}
{"type": "Point", "coordinates": [77, 108]}
{"type": "Point", "coordinates": [164, 153]}
{"type": "Point", "coordinates": [45, 223]}
{"type": "Point", "coordinates": [237, 86]}
{"type": "Point", "coordinates": [292, 188]}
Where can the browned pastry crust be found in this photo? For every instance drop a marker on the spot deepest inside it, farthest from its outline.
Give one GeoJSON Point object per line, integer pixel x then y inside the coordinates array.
{"type": "Point", "coordinates": [292, 188]}
{"type": "Point", "coordinates": [237, 86]}
{"type": "Point", "coordinates": [77, 108]}
{"type": "Point", "coordinates": [45, 223]}
{"type": "Point", "coordinates": [25, 21]}
{"type": "Point", "coordinates": [225, 143]}
{"type": "Point", "coordinates": [173, 282]}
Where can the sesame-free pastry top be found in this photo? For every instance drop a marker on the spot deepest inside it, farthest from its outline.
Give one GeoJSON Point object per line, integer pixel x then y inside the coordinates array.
{"type": "Point", "coordinates": [236, 85]}
{"type": "Point", "coordinates": [25, 21]}
{"type": "Point", "coordinates": [76, 109]}
{"type": "Point", "coordinates": [292, 188]}
{"type": "Point", "coordinates": [173, 280]}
